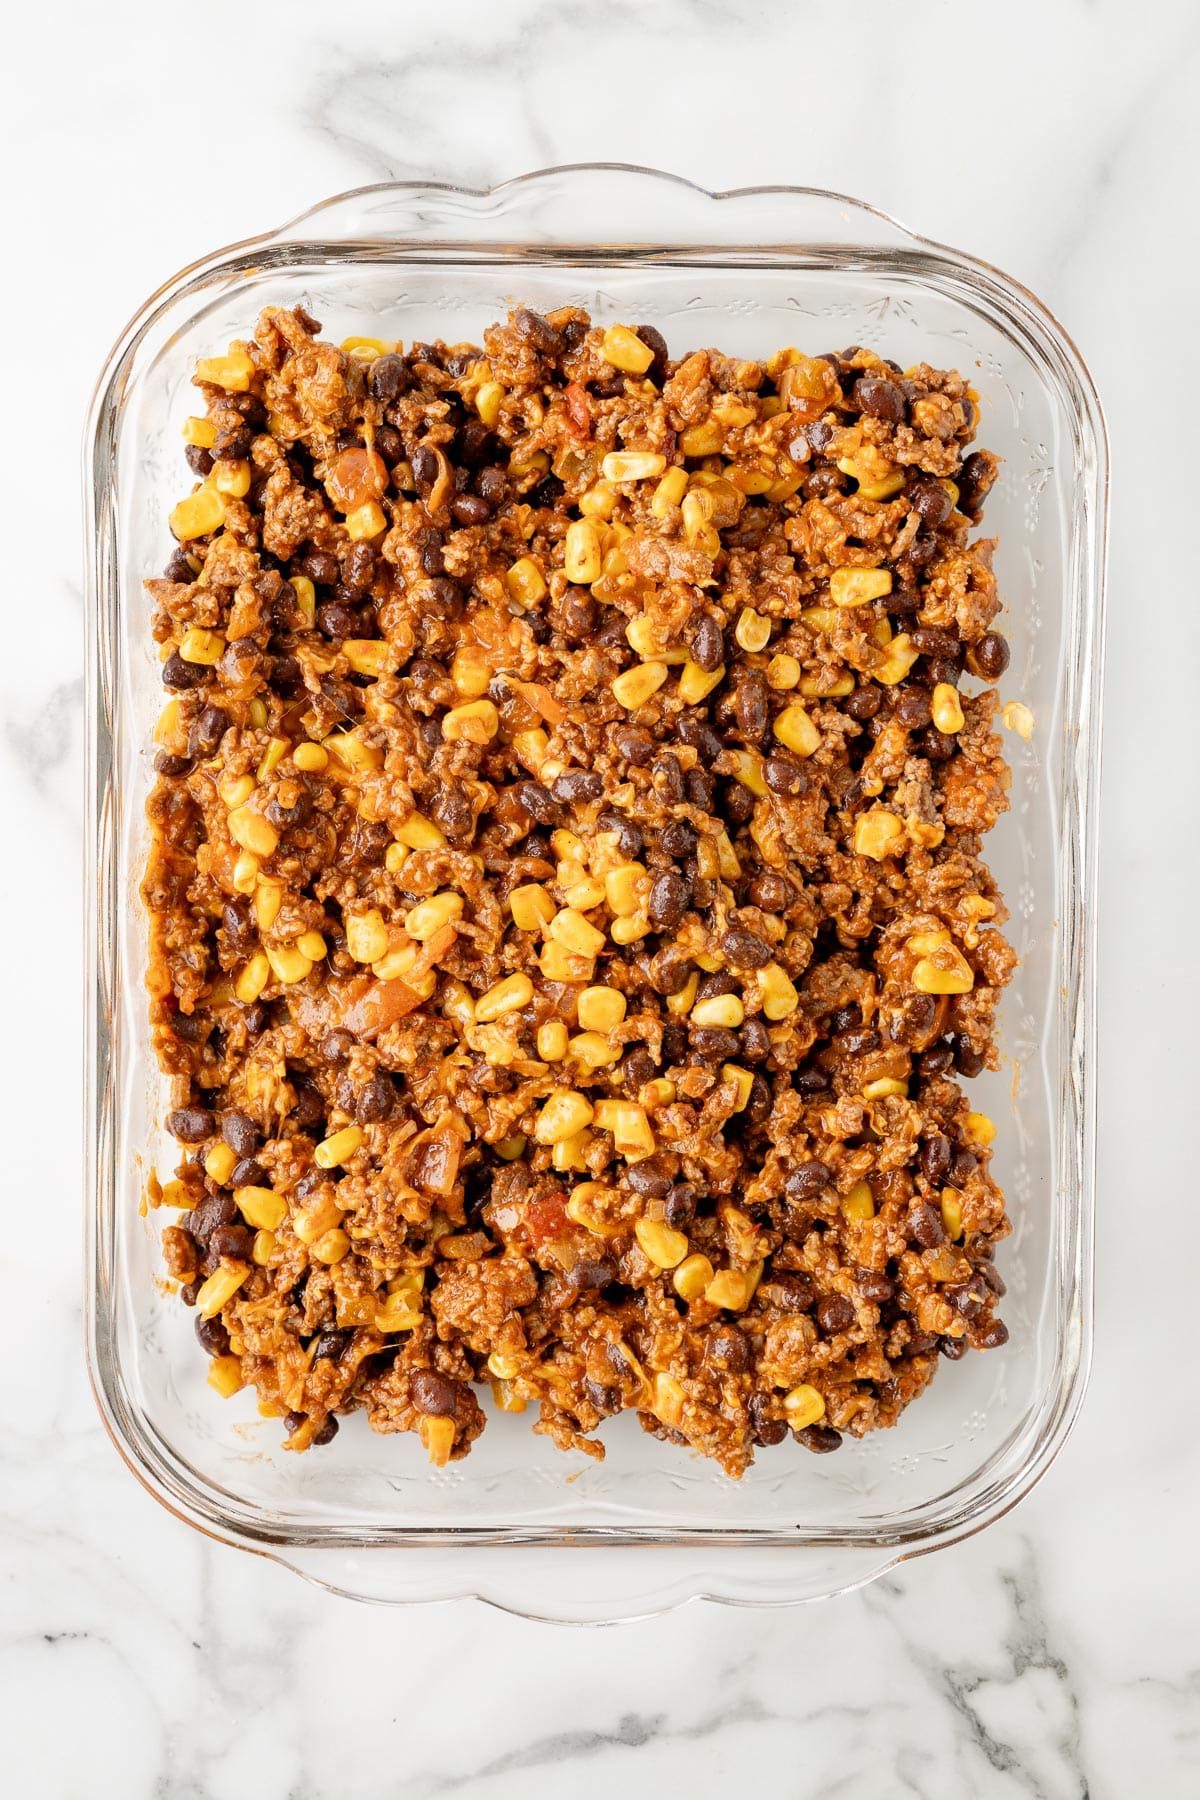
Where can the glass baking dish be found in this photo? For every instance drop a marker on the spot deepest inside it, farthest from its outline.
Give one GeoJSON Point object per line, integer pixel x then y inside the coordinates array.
{"type": "Point", "coordinates": [518, 1523]}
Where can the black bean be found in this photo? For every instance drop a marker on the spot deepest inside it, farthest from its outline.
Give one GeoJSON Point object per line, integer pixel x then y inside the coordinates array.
{"type": "Point", "coordinates": [375, 1098]}
{"type": "Point", "coordinates": [240, 1133]}
{"type": "Point", "coordinates": [182, 675]}
{"type": "Point", "coordinates": [925, 1225]}
{"type": "Point", "coordinates": [879, 398]}
{"type": "Point", "coordinates": [212, 1336]}
{"type": "Point", "coordinates": [668, 780]}
{"type": "Point", "coordinates": [336, 1047]}
{"type": "Point", "coordinates": [232, 1241]}
{"type": "Point", "coordinates": [920, 1343]}
{"type": "Point", "coordinates": [937, 1155]}
{"type": "Point", "coordinates": [575, 785]}
{"type": "Point", "coordinates": [429, 551]}
{"type": "Point", "coordinates": [166, 764]}
{"type": "Point", "coordinates": [538, 331]}
{"type": "Point", "coordinates": [628, 835]}
{"type": "Point", "coordinates": [967, 1060]}
{"type": "Point", "coordinates": [249, 1172]}
{"type": "Point", "coordinates": [647, 1181]}
{"type": "Point", "coordinates": [424, 468]}
{"type": "Point", "coordinates": [637, 1068]}
{"type": "Point", "coordinates": [962, 1168]}
{"type": "Point", "coordinates": [911, 708]}
{"type": "Point", "coordinates": [358, 568]}
{"type": "Point", "coordinates": [810, 1081]}
{"type": "Point", "coordinates": [771, 893]}
{"type": "Point", "coordinates": [632, 744]}
{"type": "Point", "coordinates": [753, 707]}
{"type": "Point", "coordinates": [975, 480]}
{"type": "Point", "coordinates": [835, 1313]}
{"type": "Point", "coordinates": [298, 813]}
{"type": "Point", "coordinates": [214, 1210]}
{"type": "Point", "coordinates": [754, 1042]}
{"type": "Point", "coordinates": [994, 1279]}
{"type": "Point", "coordinates": [492, 483]}
{"type": "Point", "coordinates": [989, 656]}
{"type": "Point", "coordinates": [178, 568]}
{"type": "Point", "coordinates": [992, 1336]}
{"type": "Point", "coordinates": [679, 839]}
{"type": "Point", "coordinates": [199, 460]}
{"type": "Point", "coordinates": [931, 502]}
{"type": "Point", "coordinates": [767, 1431]}
{"type": "Point", "coordinates": [707, 642]}
{"type": "Point", "coordinates": [434, 1395]}
{"type": "Point", "coordinates": [820, 1439]}
{"type": "Point", "coordinates": [731, 1348]}
{"type": "Point", "coordinates": [785, 777]}
{"type": "Point", "coordinates": [309, 1182]}
{"type": "Point", "coordinates": [440, 598]}
{"type": "Point", "coordinates": [858, 1043]}
{"type": "Point", "coordinates": [713, 1043]}
{"type": "Point", "coordinates": [387, 377]}
{"type": "Point", "coordinates": [807, 1180]}
{"type": "Point", "coordinates": [744, 950]}
{"type": "Point", "coordinates": [699, 737]}
{"type": "Point", "coordinates": [823, 483]}
{"type": "Point", "coordinates": [331, 1343]}
{"type": "Point", "coordinates": [953, 1349]}
{"type": "Point", "coordinates": [537, 801]}
{"type": "Point", "coordinates": [875, 1287]}
{"type": "Point", "coordinates": [191, 1124]}
{"type": "Point", "coordinates": [679, 1207]}
{"type": "Point", "coordinates": [655, 341]}
{"type": "Point", "coordinates": [864, 702]}
{"type": "Point", "coordinates": [737, 803]}
{"type": "Point", "coordinates": [937, 746]}
{"type": "Point", "coordinates": [699, 785]}
{"type": "Point", "coordinates": [935, 1061]}
{"type": "Point", "coordinates": [321, 568]}
{"type": "Point", "coordinates": [670, 896]}
{"type": "Point", "coordinates": [325, 1433]}
{"type": "Point", "coordinates": [670, 973]}
{"type": "Point", "coordinates": [712, 986]}
{"type": "Point", "coordinates": [336, 621]}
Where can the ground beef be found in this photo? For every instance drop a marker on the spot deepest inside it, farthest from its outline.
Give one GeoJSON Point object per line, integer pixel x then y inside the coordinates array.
{"type": "Point", "coordinates": [569, 929]}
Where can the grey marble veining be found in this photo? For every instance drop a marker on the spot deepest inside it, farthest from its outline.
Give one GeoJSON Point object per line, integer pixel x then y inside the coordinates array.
{"type": "Point", "coordinates": [1058, 1655]}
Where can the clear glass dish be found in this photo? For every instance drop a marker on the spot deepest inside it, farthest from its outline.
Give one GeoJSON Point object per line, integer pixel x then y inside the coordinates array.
{"type": "Point", "coordinates": [519, 1524]}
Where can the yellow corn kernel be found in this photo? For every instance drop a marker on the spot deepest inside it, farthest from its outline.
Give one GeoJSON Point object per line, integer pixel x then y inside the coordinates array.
{"type": "Point", "coordinates": [235, 790]}
{"type": "Point", "coordinates": [702, 440]}
{"type": "Point", "coordinates": [332, 1247]}
{"type": "Point", "coordinates": [567, 846]}
{"type": "Point", "coordinates": [200, 432]}
{"type": "Point", "coordinates": [526, 583]}
{"type": "Point", "coordinates": [488, 398]}
{"type": "Point", "coordinates": [855, 587]}
{"type": "Point", "coordinates": [625, 350]}
{"type": "Point", "coordinates": [720, 1010]}
{"type": "Point", "coordinates": [273, 755]}
{"type": "Point", "coordinates": [552, 1041]}
{"type": "Point", "coordinates": [199, 646]}
{"type": "Point", "coordinates": [312, 945]}
{"type": "Point", "coordinates": [742, 1080]}
{"type": "Point", "coordinates": [252, 831]}
{"type": "Point", "coordinates": [803, 1407]}
{"type": "Point", "coordinates": [420, 833]}
{"type": "Point", "coordinates": [693, 1277]}
{"type": "Point", "coordinates": [233, 372]}
{"type": "Point", "coordinates": [504, 1368]}
{"type": "Point", "coordinates": [583, 895]}
{"type": "Point", "coordinates": [681, 1003]}
{"type": "Point", "coordinates": [646, 638]}
{"type": "Point", "coordinates": [429, 916]}
{"type": "Point", "coordinates": [730, 1289]}
{"type": "Point", "coordinates": [371, 656]}
{"type": "Point", "coordinates": [366, 935]}
{"type": "Point", "coordinates": [878, 833]}
{"type": "Point", "coordinates": [471, 671]}
{"type": "Point", "coordinates": [530, 748]}
{"type": "Point", "coordinates": [669, 492]}
{"type": "Point", "coordinates": [560, 964]}
{"type": "Point", "coordinates": [886, 1087]}
{"type": "Point", "coordinates": [947, 708]}
{"type": "Point", "coordinates": [231, 475]}
{"type": "Point", "coordinates": [366, 521]}
{"type": "Point", "coordinates": [924, 943]}
{"type": "Point", "coordinates": [263, 1248]}
{"type": "Point", "coordinates": [225, 1374]}
{"type": "Point", "coordinates": [531, 906]}
{"type": "Point", "coordinates": [1018, 718]}
{"type": "Point", "coordinates": [509, 995]}
{"type": "Point", "coordinates": [252, 979]}
{"type": "Point", "coordinates": [697, 527]}
{"type": "Point", "coordinates": [582, 562]}
{"type": "Point", "coordinates": [306, 598]}
{"type": "Point", "coordinates": [750, 772]}
{"type": "Point", "coordinates": [783, 672]}
{"type": "Point", "coordinates": [220, 1163]}
{"type": "Point", "coordinates": [695, 683]}
{"type": "Point", "coordinates": [333, 1151]}
{"type": "Point", "coordinates": [600, 1008]}
{"type": "Point", "coordinates": [881, 631]}
{"type": "Point", "coordinates": [261, 1207]}
{"type": "Point", "coordinates": [795, 729]}
{"type": "Point", "coordinates": [665, 1247]}
{"type": "Point", "coordinates": [458, 1003]}
{"type": "Point", "coordinates": [632, 1133]}
{"type": "Point", "coordinates": [634, 465]}
{"type": "Point", "coordinates": [628, 930]}
{"type": "Point", "coordinates": [929, 978]}
{"type": "Point", "coordinates": [437, 1435]}
{"type": "Point", "coordinates": [352, 752]}
{"type": "Point", "coordinates": [902, 653]}
{"type": "Point", "coordinates": [316, 1219]}
{"type": "Point", "coordinates": [200, 513]}
{"type": "Point", "coordinates": [753, 630]}
{"type": "Point", "coordinates": [666, 1400]}
{"type": "Point", "coordinates": [582, 1208]}
{"type": "Point", "coordinates": [168, 729]}
{"type": "Point", "coordinates": [510, 1148]}
{"type": "Point", "coordinates": [220, 1288]}
{"type": "Point", "coordinates": [575, 933]}
{"type": "Point", "coordinates": [951, 488]}
{"type": "Point", "coordinates": [395, 857]}
{"type": "Point", "coordinates": [656, 1093]}
{"type": "Point", "coordinates": [599, 502]}
{"type": "Point", "coordinates": [289, 963]}
{"type": "Point", "coordinates": [593, 1050]}
{"type": "Point", "coordinates": [367, 349]}
{"type": "Point", "coordinates": [246, 873]}
{"type": "Point", "coordinates": [815, 689]}
{"type": "Point", "coordinates": [779, 996]}
{"type": "Point", "coordinates": [952, 1213]}
{"type": "Point", "coordinates": [477, 721]}
{"type": "Point", "coordinates": [564, 1115]}
{"type": "Point", "coordinates": [256, 712]}
{"type": "Point", "coordinates": [625, 888]}
{"type": "Point", "coordinates": [978, 1129]}
{"type": "Point", "coordinates": [636, 685]}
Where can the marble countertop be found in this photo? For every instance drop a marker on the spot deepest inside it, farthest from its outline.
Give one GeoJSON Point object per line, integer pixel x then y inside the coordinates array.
{"type": "Point", "coordinates": [1055, 1656]}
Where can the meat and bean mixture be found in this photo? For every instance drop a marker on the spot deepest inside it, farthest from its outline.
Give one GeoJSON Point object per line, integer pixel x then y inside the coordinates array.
{"type": "Point", "coordinates": [570, 934]}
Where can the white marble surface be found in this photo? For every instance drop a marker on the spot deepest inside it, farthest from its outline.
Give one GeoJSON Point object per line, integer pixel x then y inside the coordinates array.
{"type": "Point", "coordinates": [1058, 1655]}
